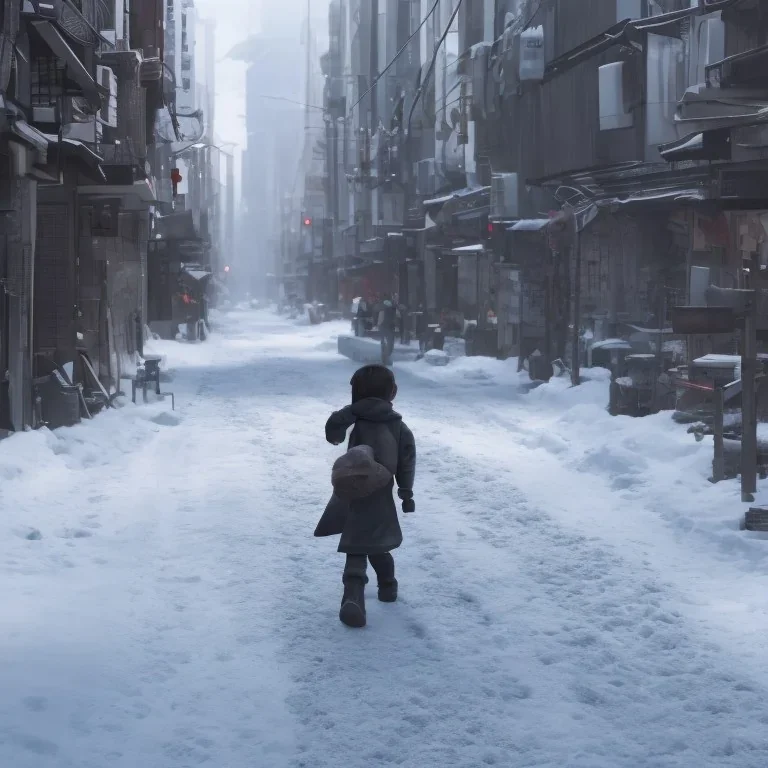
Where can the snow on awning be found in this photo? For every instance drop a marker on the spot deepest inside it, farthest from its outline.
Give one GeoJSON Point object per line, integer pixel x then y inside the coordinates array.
{"type": "Point", "coordinates": [197, 274]}
{"type": "Point", "coordinates": [651, 331]}
{"type": "Point", "coordinates": [459, 194]}
{"type": "Point", "coordinates": [31, 135]}
{"type": "Point", "coordinates": [674, 195]}
{"type": "Point", "coordinates": [477, 248]}
{"type": "Point", "coordinates": [718, 361]}
{"type": "Point", "coordinates": [612, 344]}
{"type": "Point", "coordinates": [529, 225]}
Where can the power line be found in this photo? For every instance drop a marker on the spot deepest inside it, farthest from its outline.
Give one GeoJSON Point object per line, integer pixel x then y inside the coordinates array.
{"type": "Point", "coordinates": [397, 55]}
{"type": "Point", "coordinates": [533, 16]}
{"type": "Point", "coordinates": [291, 101]}
{"type": "Point", "coordinates": [423, 84]}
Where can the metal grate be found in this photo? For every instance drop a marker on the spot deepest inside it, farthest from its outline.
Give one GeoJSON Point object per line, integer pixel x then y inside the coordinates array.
{"type": "Point", "coordinates": [47, 81]}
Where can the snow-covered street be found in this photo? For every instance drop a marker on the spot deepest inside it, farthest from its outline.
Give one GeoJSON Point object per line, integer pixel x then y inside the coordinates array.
{"type": "Point", "coordinates": [574, 593]}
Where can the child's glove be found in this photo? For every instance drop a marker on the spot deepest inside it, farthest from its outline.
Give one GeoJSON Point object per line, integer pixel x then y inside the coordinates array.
{"type": "Point", "coordinates": [409, 505]}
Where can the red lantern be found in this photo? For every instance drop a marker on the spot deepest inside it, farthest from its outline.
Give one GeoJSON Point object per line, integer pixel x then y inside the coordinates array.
{"type": "Point", "coordinates": [175, 180]}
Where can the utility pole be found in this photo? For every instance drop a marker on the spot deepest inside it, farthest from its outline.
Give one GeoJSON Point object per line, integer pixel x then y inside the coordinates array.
{"type": "Point", "coordinates": [576, 341]}
{"type": "Point", "coordinates": [308, 90]}
{"type": "Point", "coordinates": [749, 400]}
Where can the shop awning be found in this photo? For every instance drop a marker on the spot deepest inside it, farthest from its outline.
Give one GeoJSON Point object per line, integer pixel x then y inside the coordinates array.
{"type": "Point", "coordinates": [474, 213]}
{"type": "Point", "coordinates": [529, 225]}
{"type": "Point", "coordinates": [438, 200]}
{"type": "Point", "coordinates": [75, 68]}
{"type": "Point", "coordinates": [30, 135]}
{"type": "Point", "coordinates": [707, 145]}
{"type": "Point", "coordinates": [198, 274]}
{"type": "Point", "coordinates": [428, 224]}
{"type": "Point", "coordinates": [73, 147]}
{"type": "Point", "coordinates": [459, 194]}
{"type": "Point", "coordinates": [675, 195]}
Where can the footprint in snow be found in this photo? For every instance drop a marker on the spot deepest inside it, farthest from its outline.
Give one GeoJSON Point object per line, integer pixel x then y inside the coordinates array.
{"type": "Point", "coordinates": [76, 533]}
{"type": "Point", "coordinates": [36, 703]}
{"type": "Point", "coordinates": [30, 534]}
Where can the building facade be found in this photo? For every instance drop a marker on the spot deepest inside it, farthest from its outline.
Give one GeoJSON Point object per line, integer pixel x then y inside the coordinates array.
{"type": "Point", "coordinates": [94, 94]}
{"type": "Point", "coordinates": [546, 174]}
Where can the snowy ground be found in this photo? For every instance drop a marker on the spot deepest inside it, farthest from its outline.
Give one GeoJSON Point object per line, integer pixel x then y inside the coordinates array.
{"type": "Point", "coordinates": [575, 594]}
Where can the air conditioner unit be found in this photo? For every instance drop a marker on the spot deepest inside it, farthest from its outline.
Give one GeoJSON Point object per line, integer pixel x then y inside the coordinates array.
{"type": "Point", "coordinates": [613, 112]}
{"type": "Point", "coordinates": [505, 196]}
{"type": "Point", "coordinates": [425, 176]}
{"type": "Point", "coordinates": [105, 77]}
{"type": "Point", "coordinates": [532, 54]}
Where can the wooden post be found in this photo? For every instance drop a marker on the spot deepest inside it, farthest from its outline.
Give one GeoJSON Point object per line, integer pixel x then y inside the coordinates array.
{"type": "Point", "coordinates": [576, 363]}
{"type": "Point", "coordinates": [748, 401]}
{"type": "Point", "coordinates": [718, 462]}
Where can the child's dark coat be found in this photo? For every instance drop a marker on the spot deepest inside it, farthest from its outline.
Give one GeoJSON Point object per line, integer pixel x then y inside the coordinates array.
{"type": "Point", "coordinates": [370, 526]}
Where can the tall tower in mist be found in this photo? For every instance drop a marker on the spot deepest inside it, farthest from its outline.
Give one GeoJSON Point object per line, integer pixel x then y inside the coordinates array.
{"type": "Point", "coordinates": [275, 126]}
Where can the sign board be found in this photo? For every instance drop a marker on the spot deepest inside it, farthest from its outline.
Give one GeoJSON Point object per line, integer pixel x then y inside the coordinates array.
{"type": "Point", "coordinates": [699, 282]}
{"type": "Point", "coordinates": [703, 320]}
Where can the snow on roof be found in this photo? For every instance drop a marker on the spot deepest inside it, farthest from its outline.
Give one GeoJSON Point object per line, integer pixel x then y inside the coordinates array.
{"type": "Point", "coordinates": [529, 225]}
{"type": "Point", "coordinates": [465, 192]}
{"type": "Point", "coordinates": [438, 200]}
{"type": "Point", "coordinates": [653, 331]}
{"type": "Point", "coordinates": [197, 274]}
{"type": "Point", "coordinates": [477, 248]}
{"type": "Point", "coordinates": [612, 344]}
{"type": "Point", "coordinates": [718, 361]}
{"type": "Point", "coordinates": [678, 194]}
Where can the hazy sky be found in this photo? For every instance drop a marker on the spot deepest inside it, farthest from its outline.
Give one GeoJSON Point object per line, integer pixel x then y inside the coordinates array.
{"type": "Point", "coordinates": [235, 21]}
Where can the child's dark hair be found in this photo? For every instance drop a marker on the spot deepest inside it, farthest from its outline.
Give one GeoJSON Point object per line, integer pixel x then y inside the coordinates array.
{"type": "Point", "coordinates": [373, 381]}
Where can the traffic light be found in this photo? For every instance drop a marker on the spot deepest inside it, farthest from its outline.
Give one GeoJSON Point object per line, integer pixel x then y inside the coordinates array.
{"type": "Point", "coordinates": [307, 221]}
{"type": "Point", "coordinates": [226, 269]}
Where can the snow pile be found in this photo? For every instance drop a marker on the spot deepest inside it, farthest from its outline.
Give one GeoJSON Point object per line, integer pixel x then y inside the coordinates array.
{"type": "Point", "coordinates": [436, 357]}
{"type": "Point", "coordinates": [471, 371]}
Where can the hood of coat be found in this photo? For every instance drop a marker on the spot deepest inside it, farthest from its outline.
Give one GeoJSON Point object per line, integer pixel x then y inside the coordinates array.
{"type": "Point", "coordinates": [374, 409]}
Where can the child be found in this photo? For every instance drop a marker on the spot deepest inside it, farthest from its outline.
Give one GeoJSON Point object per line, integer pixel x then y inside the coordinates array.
{"type": "Point", "coordinates": [369, 528]}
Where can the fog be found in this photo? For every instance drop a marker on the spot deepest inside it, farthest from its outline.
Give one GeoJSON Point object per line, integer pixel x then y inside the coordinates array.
{"type": "Point", "coordinates": [270, 38]}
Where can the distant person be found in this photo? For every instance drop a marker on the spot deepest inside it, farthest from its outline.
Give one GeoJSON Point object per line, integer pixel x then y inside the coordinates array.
{"type": "Point", "coordinates": [362, 314]}
{"type": "Point", "coordinates": [369, 526]}
{"type": "Point", "coordinates": [387, 328]}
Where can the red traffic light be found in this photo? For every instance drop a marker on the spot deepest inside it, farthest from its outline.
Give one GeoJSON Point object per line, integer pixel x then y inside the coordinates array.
{"type": "Point", "coordinates": [226, 269]}
{"type": "Point", "coordinates": [307, 221]}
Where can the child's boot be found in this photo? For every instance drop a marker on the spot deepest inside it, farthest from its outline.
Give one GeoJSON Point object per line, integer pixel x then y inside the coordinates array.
{"type": "Point", "coordinates": [352, 611]}
{"type": "Point", "coordinates": [384, 565]}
